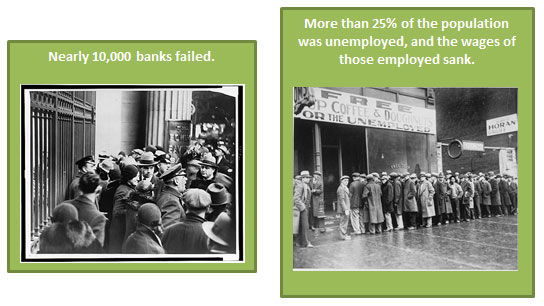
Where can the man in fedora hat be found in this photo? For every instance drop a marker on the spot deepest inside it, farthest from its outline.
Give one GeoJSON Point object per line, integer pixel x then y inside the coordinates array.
{"type": "Point", "coordinates": [223, 165]}
{"type": "Point", "coordinates": [221, 234]}
{"type": "Point", "coordinates": [206, 176]}
{"type": "Point", "coordinates": [221, 200]}
{"type": "Point", "coordinates": [170, 200]}
{"type": "Point", "coordinates": [84, 165]}
{"type": "Point", "coordinates": [301, 203]}
{"type": "Point", "coordinates": [147, 164]}
{"type": "Point", "coordinates": [187, 236]}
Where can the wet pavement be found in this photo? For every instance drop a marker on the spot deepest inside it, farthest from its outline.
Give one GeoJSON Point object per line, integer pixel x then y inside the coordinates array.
{"type": "Point", "coordinates": [482, 244]}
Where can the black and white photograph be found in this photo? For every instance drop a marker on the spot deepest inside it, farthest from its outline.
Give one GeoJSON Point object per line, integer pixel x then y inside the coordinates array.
{"type": "Point", "coordinates": [405, 178]}
{"type": "Point", "coordinates": [132, 173]}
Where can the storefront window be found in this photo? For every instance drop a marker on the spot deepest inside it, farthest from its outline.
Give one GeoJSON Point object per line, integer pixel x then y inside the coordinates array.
{"type": "Point", "coordinates": [396, 151]}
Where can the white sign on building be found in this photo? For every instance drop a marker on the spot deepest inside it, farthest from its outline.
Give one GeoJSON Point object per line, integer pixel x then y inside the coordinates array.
{"type": "Point", "coordinates": [345, 108]}
{"type": "Point", "coordinates": [502, 125]}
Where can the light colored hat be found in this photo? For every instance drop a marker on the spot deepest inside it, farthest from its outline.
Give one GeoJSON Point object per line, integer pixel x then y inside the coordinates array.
{"type": "Point", "coordinates": [106, 165]}
{"type": "Point", "coordinates": [305, 173]}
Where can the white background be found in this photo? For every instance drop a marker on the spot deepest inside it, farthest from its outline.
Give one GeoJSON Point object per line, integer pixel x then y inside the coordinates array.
{"type": "Point", "coordinates": [196, 20]}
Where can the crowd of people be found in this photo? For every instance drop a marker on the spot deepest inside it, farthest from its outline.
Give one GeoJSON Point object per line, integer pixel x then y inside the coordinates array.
{"type": "Point", "coordinates": [146, 202]}
{"type": "Point", "coordinates": [377, 203]}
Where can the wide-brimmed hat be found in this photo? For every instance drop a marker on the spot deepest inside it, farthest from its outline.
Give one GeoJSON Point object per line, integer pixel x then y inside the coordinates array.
{"type": "Point", "coordinates": [194, 162]}
{"type": "Point", "coordinates": [220, 230]}
{"type": "Point", "coordinates": [219, 194]}
{"type": "Point", "coordinates": [305, 173]}
{"type": "Point", "coordinates": [85, 160]}
{"type": "Point", "coordinates": [209, 161]}
{"type": "Point", "coordinates": [106, 165]}
{"type": "Point", "coordinates": [147, 159]}
{"type": "Point", "coordinates": [172, 172]}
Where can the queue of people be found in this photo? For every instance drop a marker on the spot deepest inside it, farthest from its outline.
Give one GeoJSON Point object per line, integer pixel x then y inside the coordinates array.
{"type": "Point", "coordinates": [377, 203]}
{"type": "Point", "coordinates": [147, 203]}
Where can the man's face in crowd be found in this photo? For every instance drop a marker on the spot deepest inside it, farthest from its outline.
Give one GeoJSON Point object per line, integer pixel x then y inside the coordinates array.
{"type": "Point", "coordinates": [180, 182]}
{"type": "Point", "coordinates": [147, 171]}
{"type": "Point", "coordinates": [88, 168]}
{"type": "Point", "coordinates": [192, 169]}
{"type": "Point", "coordinates": [163, 167]}
{"type": "Point", "coordinates": [206, 171]}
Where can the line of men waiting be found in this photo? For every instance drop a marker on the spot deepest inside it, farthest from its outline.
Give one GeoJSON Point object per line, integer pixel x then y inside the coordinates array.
{"type": "Point", "coordinates": [372, 203]}
{"type": "Point", "coordinates": [145, 203]}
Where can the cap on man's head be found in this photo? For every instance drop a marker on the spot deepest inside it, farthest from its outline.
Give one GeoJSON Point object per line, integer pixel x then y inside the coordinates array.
{"type": "Point", "coordinates": [305, 173]}
{"type": "Point", "coordinates": [370, 177]}
{"type": "Point", "coordinates": [318, 173]}
{"type": "Point", "coordinates": [129, 172]}
{"type": "Point", "coordinates": [85, 160]}
{"type": "Point", "coordinates": [172, 172]}
{"type": "Point", "coordinates": [196, 199]}
{"type": "Point", "coordinates": [413, 175]}
{"type": "Point", "coordinates": [149, 214]}
{"type": "Point", "coordinates": [356, 174]}
{"type": "Point", "coordinates": [344, 177]}
{"type": "Point", "coordinates": [393, 174]}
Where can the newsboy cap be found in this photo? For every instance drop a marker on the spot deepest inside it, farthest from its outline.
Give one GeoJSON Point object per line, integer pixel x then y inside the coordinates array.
{"type": "Point", "coordinates": [196, 198]}
{"type": "Point", "coordinates": [344, 177]}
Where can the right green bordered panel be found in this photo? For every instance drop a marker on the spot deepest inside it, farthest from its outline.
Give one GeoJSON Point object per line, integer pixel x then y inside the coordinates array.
{"type": "Point", "coordinates": [407, 152]}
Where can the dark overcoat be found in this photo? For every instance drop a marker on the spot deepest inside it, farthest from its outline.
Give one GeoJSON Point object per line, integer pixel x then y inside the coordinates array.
{"type": "Point", "coordinates": [388, 196]}
{"type": "Point", "coordinates": [477, 193]}
{"type": "Point", "coordinates": [318, 204]}
{"type": "Point", "coordinates": [186, 237]}
{"type": "Point", "coordinates": [143, 241]}
{"type": "Point", "coordinates": [486, 192]}
{"type": "Point", "coordinates": [87, 211]}
{"type": "Point", "coordinates": [503, 190]}
{"type": "Point", "coordinates": [118, 222]}
{"type": "Point", "coordinates": [397, 198]}
{"type": "Point", "coordinates": [443, 204]}
{"type": "Point", "coordinates": [372, 194]}
{"type": "Point", "coordinates": [170, 204]}
{"type": "Point", "coordinates": [495, 194]}
{"type": "Point", "coordinates": [356, 194]}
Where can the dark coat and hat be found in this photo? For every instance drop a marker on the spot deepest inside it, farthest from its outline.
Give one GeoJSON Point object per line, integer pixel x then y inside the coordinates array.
{"type": "Point", "coordinates": [171, 206]}
{"type": "Point", "coordinates": [372, 195]}
{"type": "Point", "coordinates": [68, 235]}
{"type": "Point", "coordinates": [144, 240]}
{"type": "Point", "coordinates": [88, 211]}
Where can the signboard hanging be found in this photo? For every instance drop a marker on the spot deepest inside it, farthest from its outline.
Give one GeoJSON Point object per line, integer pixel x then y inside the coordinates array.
{"type": "Point", "coordinates": [344, 108]}
{"type": "Point", "coordinates": [502, 125]}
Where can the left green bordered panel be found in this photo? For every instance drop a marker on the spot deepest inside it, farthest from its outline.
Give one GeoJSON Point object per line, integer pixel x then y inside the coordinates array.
{"type": "Point", "coordinates": [139, 109]}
